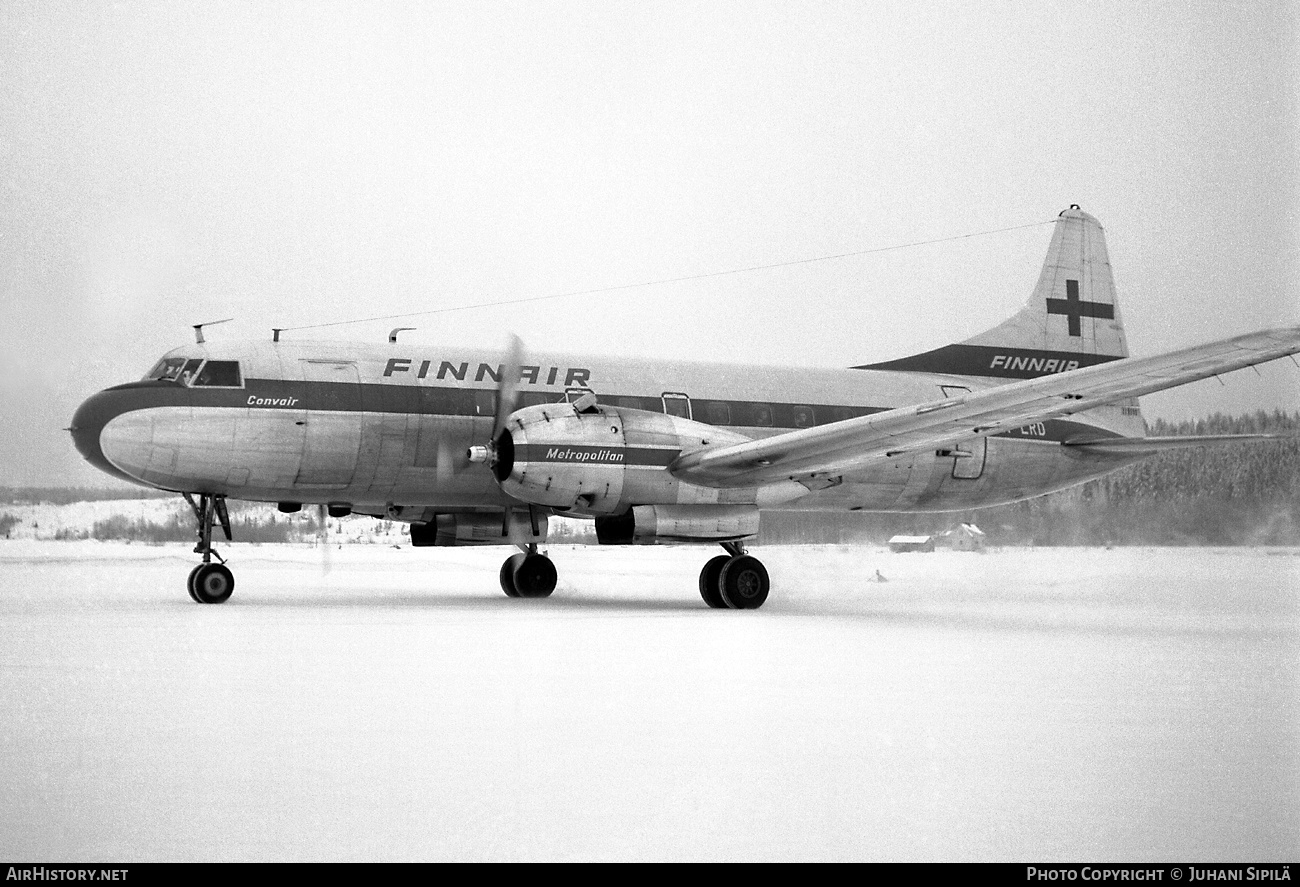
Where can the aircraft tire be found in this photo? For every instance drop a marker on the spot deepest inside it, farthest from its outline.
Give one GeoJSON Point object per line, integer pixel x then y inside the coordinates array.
{"type": "Point", "coordinates": [744, 583]}
{"type": "Point", "coordinates": [213, 584]}
{"type": "Point", "coordinates": [508, 569]}
{"type": "Point", "coordinates": [535, 576]}
{"type": "Point", "coordinates": [710, 588]}
{"type": "Point", "coordinates": [189, 583]}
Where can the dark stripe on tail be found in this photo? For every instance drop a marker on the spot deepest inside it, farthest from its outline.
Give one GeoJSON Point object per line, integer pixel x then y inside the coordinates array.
{"type": "Point", "coordinates": [983, 360]}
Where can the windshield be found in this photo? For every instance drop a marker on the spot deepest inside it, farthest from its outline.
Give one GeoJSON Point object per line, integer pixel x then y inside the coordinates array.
{"type": "Point", "coordinates": [219, 374]}
{"type": "Point", "coordinates": [173, 369]}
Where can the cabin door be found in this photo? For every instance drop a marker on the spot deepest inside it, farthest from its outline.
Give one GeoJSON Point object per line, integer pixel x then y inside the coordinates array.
{"type": "Point", "coordinates": [332, 423]}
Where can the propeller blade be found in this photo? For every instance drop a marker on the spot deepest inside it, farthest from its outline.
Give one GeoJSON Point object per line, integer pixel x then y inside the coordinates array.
{"type": "Point", "coordinates": [444, 469]}
{"type": "Point", "coordinates": [508, 387]}
{"type": "Point", "coordinates": [450, 461]}
{"type": "Point", "coordinates": [323, 537]}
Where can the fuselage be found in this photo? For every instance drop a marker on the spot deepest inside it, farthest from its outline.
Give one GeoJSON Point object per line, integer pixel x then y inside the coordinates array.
{"type": "Point", "coordinates": [376, 426]}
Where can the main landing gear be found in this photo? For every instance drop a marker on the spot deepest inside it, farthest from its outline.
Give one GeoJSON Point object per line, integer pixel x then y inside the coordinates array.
{"type": "Point", "coordinates": [735, 580]}
{"type": "Point", "coordinates": [528, 574]}
{"type": "Point", "coordinates": [210, 583]}
{"type": "Point", "coordinates": [731, 581]}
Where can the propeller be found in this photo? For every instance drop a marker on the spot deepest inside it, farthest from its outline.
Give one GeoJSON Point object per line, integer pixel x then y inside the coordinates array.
{"type": "Point", "coordinates": [507, 396]}
{"type": "Point", "coordinates": [517, 529]}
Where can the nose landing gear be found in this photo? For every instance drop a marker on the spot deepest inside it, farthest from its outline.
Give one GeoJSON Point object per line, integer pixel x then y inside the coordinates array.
{"type": "Point", "coordinates": [210, 583]}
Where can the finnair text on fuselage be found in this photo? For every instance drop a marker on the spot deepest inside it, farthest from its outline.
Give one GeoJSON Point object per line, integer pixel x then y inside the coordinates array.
{"type": "Point", "coordinates": [488, 372]}
{"type": "Point", "coordinates": [1033, 364]}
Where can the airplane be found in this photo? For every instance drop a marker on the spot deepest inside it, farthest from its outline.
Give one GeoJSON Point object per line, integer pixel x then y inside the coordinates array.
{"type": "Point", "coordinates": [481, 449]}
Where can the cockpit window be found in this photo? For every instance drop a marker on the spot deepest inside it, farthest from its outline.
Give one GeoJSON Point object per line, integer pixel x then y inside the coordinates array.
{"type": "Point", "coordinates": [166, 370]}
{"type": "Point", "coordinates": [219, 374]}
{"type": "Point", "coordinates": [191, 367]}
{"type": "Point", "coordinates": [214, 373]}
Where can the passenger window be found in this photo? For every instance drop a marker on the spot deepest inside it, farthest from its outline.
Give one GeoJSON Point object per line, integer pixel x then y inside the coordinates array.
{"type": "Point", "coordinates": [677, 405]}
{"type": "Point", "coordinates": [649, 404]}
{"type": "Point", "coordinates": [716, 412]}
{"type": "Point", "coordinates": [803, 417]}
{"type": "Point", "coordinates": [218, 374]}
{"type": "Point", "coordinates": [533, 399]}
{"type": "Point", "coordinates": [760, 414]}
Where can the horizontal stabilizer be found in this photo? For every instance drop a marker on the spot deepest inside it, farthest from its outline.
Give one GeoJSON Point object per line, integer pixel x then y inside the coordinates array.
{"type": "Point", "coordinates": [1138, 446]}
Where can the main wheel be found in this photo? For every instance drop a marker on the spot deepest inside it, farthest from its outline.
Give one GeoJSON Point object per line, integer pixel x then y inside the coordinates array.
{"type": "Point", "coordinates": [535, 577]}
{"type": "Point", "coordinates": [710, 589]}
{"type": "Point", "coordinates": [744, 583]}
{"type": "Point", "coordinates": [508, 568]}
{"type": "Point", "coordinates": [189, 583]}
{"type": "Point", "coordinates": [212, 584]}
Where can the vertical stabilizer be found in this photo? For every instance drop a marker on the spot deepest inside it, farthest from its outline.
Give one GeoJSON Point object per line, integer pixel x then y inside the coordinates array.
{"type": "Point", "coordinates": [1071, 320]}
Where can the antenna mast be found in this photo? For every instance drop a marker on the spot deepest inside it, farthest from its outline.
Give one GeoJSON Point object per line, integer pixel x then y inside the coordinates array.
{"type": "Point", "coordinates": [198, 328]}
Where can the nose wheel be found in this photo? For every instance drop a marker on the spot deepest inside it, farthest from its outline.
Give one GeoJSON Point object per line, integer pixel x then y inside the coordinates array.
{"type": "Point", "coordinates": [734, 581]}
{"type": "Point", "coordinates": [209, 583]}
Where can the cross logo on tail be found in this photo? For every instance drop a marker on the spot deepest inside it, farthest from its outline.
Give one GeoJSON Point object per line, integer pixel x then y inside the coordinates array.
{"type": "Point", "coordinates": [1074, 308]}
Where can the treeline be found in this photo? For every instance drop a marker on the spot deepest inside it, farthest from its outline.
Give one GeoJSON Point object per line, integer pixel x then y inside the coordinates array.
{"type": "Point", "coordinates": [249, 522]}
{"type": "Point", "coordinates": [182, 528]}
{"type": "Point", "coordinates": [68, 495]}
{"type": "Point", "coordinates": [1258, 422]}
{"type": "Point", "coordinates": [1234, 494]}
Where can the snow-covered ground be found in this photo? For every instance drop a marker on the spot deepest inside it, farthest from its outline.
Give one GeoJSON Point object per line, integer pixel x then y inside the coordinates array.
{"type": "Point", "coordinates": [392, 703]}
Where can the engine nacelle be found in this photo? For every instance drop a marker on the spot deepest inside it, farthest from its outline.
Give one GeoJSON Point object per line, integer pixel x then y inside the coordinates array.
{"type": "Point", "coordinates": [649, 524]}
{"type": "Point", "coordinates": [479, 529]}
{"type": "Point", "coordinates": [600, 460]}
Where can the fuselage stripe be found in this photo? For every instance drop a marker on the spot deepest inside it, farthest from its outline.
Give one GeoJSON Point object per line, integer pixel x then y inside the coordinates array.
{"type": "Point", "coordinates": [434, 400]}
{"type": "Point", "coordinates": [590, 455]}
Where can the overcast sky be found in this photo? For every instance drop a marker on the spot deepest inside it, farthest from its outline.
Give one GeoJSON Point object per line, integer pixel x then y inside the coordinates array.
{"type": "Point", "coordinates": [286, 164]}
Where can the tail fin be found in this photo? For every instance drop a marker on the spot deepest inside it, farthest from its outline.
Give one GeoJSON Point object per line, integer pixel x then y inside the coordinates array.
{"type": "Point", "coordinates": [1070, 321]}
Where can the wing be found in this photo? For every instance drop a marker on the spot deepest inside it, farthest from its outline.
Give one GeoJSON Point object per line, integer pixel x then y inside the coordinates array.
{"type": "Point", "coordinates": [831, 450]}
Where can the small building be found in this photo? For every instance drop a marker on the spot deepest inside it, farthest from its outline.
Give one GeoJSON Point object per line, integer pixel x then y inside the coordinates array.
{"type": "Point", "coordinates": [911, 543]}
{"type": "Point", "coordinates": [964, 537]}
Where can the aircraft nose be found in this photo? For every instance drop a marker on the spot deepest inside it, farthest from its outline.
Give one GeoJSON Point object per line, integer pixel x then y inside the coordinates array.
{"type": "Point", "coordinates": [88, 424]}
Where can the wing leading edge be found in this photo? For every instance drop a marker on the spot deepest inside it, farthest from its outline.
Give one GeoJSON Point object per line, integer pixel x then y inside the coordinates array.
{"type": "Point", "coordinates": [831, 450]}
